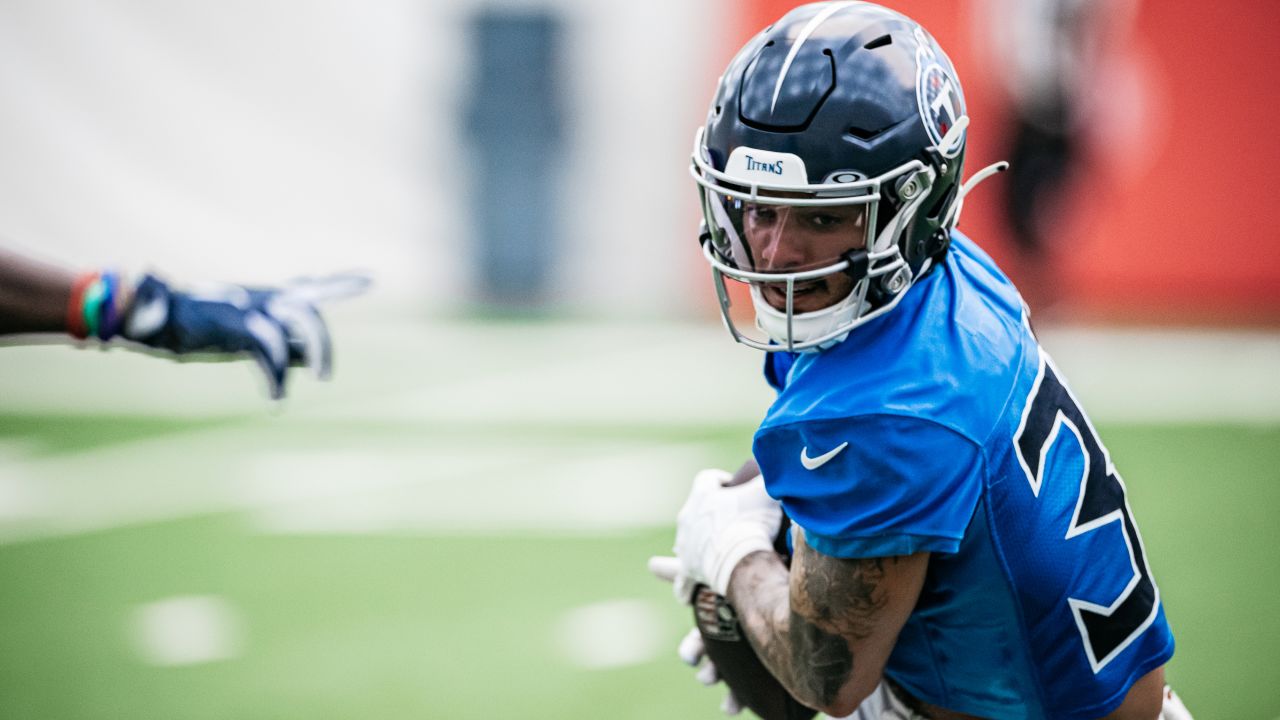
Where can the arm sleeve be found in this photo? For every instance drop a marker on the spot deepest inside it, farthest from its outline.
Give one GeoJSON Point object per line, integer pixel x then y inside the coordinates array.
{"type": "Point", "coordinates": [902, 485]}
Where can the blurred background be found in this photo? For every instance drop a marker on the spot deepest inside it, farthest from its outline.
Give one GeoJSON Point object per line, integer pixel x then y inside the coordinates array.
{"type": "Point", "coordinates": [457, 525]}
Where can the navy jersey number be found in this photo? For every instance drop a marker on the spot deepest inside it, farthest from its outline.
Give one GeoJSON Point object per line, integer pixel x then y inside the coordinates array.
{"type": "Point", "coordinates": [1051, 411]}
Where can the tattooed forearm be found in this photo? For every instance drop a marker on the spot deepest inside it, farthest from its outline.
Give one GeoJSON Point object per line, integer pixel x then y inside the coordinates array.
{"type": "Point", "coordinates": [841, 595]}
{"type": "Point", "coordinates": [759, 591]}
{"type": "Point", "coordinates": [821, 662]}
{"type": "Point", "coordinates": [801, 626]}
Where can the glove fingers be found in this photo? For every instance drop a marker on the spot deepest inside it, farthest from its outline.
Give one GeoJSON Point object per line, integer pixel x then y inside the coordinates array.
{"type": "Point", "coordinates": [670, 570]}
{"type": "Point", "coordinates": [684, 588]}
{"type": "Point", "coordinates": [324, 369]}
{"type": "Point", "coordinates": [665, 567]}
{"type": "Point", "coordinates": [270, 349]}
{"type": "Point", "coordinates": [275, 379]}
{"type": "Point", "coordinates": [312, 291]}
{"type": "Point", "coordinates": [707, 674]}
{"type": "Point", "coordinates": [692, 649]}
{"type": "Point", "coordinates": [711, 478]}
{"type": "Point", "coordinates": [309, 341]}
{"type": "Point", "coordinates": [731, 705]}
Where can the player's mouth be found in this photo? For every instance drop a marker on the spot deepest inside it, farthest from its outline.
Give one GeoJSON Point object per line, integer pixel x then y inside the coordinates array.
{"type": "Point", "coordinates": [806, 296]}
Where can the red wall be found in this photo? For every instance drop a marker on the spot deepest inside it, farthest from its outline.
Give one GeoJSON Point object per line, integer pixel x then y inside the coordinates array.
{"type": "Point", "coordinates": [1174, 218]}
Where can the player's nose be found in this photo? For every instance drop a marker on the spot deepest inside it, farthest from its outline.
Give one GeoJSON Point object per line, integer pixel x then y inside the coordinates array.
{"type": "Point", "coordinates": [781, 250]}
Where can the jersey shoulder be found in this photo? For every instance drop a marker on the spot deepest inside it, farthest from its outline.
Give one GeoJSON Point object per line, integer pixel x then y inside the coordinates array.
{"type": "Point", "coordinates": [910, 401]}
{"type": "Point", "coordinates": [951, 353]}
{"type": "Point", "coordinates": [873, 485]}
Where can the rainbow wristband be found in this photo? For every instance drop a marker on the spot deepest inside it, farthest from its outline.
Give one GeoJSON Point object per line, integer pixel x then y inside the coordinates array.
{"type": "Point", "coordinates": [92, 308]}
{"type": "Point", "coordinates": [76, 325]}
{"type": "Point", "coordinates": [109, 316]}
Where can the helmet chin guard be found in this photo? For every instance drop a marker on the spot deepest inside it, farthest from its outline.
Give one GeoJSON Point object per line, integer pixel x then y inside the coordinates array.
{"type": "Point", "coordinates": [816, 330]}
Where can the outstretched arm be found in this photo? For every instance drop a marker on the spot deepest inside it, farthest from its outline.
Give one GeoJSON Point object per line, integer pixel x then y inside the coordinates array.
{"type": "Point", "coordinates": [826, 628]}
{"type": "Point", "coordinates": [278, 327]}
{"type": "Point", "coordinates": [33, 295]}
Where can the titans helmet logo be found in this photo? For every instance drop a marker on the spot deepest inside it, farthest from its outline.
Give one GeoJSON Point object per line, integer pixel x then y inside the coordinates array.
{"type": "Point", "coordinates": [937, 94]}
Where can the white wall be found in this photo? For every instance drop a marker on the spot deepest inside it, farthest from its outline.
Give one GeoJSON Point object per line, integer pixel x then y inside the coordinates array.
{"type": "Point", "coordinates": [253, 140]}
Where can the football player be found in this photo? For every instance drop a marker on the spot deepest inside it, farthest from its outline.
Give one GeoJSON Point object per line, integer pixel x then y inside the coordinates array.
{"type": "Point", "coordinates": [276, 327]}
{"type": "Point", "coordinates": [961, 544]}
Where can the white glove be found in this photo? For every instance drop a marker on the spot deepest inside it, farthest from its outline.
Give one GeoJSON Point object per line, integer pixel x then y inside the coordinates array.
{"type": "Point", "coordinates": [719, 526]}
{"type": "Point", "coordinates": [668, 568]}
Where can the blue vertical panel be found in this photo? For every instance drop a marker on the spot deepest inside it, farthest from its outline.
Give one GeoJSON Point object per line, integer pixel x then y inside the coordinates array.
{"type": "Point", "coordinates": [514, 126]}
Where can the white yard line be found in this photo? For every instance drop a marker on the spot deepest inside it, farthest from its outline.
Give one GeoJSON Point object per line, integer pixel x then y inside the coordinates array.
{"type": "Point", "coordinates": [187, 630]}
{"type": "Point", "coordinates": [610, 634]}
{"type": "Point", "coordinates": [477, 484]}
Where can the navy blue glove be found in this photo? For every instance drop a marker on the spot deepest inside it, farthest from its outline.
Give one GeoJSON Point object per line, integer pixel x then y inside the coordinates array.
{"type": "Point", "coordinates": [277, 327]}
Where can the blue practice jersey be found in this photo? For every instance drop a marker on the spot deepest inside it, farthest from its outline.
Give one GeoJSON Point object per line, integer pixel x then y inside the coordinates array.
{"type": "Point", "coordinates": [964, 441]}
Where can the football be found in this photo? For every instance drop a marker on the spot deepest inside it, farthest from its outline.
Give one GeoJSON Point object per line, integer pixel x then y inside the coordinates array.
{"type": "Point", "coordinates": [737, 663]}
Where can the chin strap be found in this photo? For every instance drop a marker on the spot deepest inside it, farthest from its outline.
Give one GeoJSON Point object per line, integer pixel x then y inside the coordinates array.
{"type": "Point", "coordinates": [953, 214]}
{"type": "Point", "coordinates": [981, 175]}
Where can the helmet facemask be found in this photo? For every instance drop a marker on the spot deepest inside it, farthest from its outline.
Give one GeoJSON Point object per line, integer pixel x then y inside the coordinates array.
{"type": "Point", "coordinates": [819, 260]}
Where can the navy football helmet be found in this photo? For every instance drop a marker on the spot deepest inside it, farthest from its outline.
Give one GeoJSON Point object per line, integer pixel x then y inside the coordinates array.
{"type": "Point", "coordinates": [829, 170]}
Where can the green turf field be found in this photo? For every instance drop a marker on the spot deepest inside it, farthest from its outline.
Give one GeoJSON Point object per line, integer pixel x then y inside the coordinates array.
{"type": "Point", "coordinates": [348, 560]}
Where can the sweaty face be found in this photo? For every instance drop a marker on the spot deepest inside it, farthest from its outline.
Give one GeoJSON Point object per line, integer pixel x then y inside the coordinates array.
{"type": "Point", "coordinates": [795, 238]}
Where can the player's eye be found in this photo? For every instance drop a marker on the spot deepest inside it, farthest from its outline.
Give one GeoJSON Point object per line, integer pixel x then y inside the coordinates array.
{"type": "Point", "coordinates": [836, 219]}
{"type": "Point", "coordinates": [825, 221]}
{"type": "Point", "coordinates": [762, 213]}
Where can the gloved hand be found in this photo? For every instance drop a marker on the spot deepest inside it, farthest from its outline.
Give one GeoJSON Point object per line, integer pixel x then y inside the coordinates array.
{"type": "Point", "coordinates": [719, 525]}
{"type": "Point", "coordinates": [277, 327]}
{"type": "Point", "coordinates": [668, 569]}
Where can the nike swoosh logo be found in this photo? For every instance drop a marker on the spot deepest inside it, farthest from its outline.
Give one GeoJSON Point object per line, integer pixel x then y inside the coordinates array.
{"type": "Point", "coordinates": [815, 463]}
